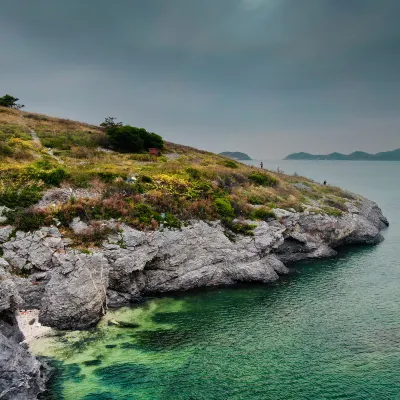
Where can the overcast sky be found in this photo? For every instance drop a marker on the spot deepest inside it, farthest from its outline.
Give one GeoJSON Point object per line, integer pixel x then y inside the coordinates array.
{"type": "Point", "coordinates": [267, 77]}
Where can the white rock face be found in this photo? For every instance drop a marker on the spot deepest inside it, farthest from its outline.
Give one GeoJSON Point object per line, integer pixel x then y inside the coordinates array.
{"type": "Point", "coordinates": [71, 286]}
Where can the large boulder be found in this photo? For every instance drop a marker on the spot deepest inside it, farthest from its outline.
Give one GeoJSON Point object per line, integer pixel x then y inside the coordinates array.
{"type": "Point", "coordinates": [75, 297]}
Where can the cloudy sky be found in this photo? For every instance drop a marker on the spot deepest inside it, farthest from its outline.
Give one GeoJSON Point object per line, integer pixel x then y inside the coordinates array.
{"type": "Point", "coordinates": [267, 77]}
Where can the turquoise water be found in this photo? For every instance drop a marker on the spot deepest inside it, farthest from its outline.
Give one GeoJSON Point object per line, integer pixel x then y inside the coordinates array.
{"type": "Point", "coordinates": [331, 330]}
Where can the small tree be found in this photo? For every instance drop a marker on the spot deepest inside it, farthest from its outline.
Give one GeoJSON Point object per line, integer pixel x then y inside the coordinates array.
{"type": "Point", "coordinates": [125, 139]}
{"type": "Point", "coordinates": [10, 102]}
{"type": "Point", "coordinates": [109, 122]}
{"type": "Point", "coordinates": [130, 139]}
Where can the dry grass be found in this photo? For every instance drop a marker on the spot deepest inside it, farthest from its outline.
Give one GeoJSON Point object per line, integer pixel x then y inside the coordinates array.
{"type": "Point", "coordinates": [186, 184]}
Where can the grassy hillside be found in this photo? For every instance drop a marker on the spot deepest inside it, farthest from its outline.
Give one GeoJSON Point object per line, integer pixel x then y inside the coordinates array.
{"type": "Point", "coordinates": [39, 154]}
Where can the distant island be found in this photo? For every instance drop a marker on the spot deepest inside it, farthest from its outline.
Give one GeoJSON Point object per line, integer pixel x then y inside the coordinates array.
{"type": "Point", "coordinates": [393, 155]}
{"type": "Point", "coordinates": [236, 155]}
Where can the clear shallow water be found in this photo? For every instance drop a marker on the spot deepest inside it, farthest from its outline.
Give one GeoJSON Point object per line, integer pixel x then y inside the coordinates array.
{"type": "Point", "coordinates": [329, 331]}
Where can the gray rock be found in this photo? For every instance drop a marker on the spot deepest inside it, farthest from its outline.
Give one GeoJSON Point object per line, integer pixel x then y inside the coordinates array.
{"type": "Point", "coordinates": [75, 297]}
{"type": "Point", "coordinates": [33, 250]}
{"type": "Point", "coordinates": [5, 232]}
{"type": "Point", "coordinates": [32, 289]}
{"type": "Point", "coordinates": [78, 226]}
{"type": "Point", "coordinates": [72, 287]}
{"type": "Point", "coordinates": [3, 210]}
{"type": "Point", "coordinates": [22, 376]}
{"type": "Point", "coordinates": [302, 186]}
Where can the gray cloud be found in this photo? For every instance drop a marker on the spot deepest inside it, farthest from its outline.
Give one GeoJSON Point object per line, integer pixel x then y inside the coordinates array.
{"type": "Point", "coordinates": [267, 77]}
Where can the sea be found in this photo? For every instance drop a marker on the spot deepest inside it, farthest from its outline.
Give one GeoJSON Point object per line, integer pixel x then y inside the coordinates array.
{"type": "Point", "coordinates": [330, 330]}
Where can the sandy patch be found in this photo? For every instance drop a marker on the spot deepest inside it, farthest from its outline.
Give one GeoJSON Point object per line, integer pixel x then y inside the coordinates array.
{"type": "Point", "coordinates": [28, 322]}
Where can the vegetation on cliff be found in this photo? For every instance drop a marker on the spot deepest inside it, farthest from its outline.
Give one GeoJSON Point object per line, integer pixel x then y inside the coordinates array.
{"type": "Point", "coordinates": [106, 180]}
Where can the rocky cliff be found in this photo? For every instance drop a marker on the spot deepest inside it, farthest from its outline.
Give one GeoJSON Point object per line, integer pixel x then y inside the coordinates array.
{"type": "Point", "coordinates": [73, 288]}
{"type": "Point", "coordinates": [22, 376]}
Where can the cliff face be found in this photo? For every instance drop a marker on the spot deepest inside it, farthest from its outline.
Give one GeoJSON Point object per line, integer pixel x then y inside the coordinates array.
{"type": "Point", "coordinates": [22, 377]}
{"type": "Point", "coordinates": [73, 288]}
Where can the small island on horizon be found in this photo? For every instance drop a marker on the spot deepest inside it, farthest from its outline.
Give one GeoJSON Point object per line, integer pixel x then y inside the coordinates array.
{"type": "Point", "coordinates": [393, 155]}
{"type": "Point", "coordinates": [236, 155]}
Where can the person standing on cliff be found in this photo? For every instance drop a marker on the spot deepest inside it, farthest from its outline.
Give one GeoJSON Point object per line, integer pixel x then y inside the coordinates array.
{"type": "Point", "coordinates": [261, 165]}
{"type": "Point", "coordinates": [324, 182]}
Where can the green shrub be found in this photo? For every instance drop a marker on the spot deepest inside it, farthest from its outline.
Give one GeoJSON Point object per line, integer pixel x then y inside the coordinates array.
{"type": "Point", "coordinates": [224, 208]}
{"type": "Point", "coordinates": [262, 213]}
{"type": "Point", "coordinates": [241, 228]}
{"type": "Point", "coordinates": [146, 179]}
{"type": "Point", "coordinates": [26, 220]}
{"type": "Point", "coordinates": [5, 150]}
{"type": "Point", "coordinates": [193, 173]}
{"type": "Point", "coordinates": [53, 177]}
{"type": "Point", "coordinates": [20, 193]}
{"type": "Point", "coordinates": [255, 200]}
{"type": "Point", "coordinates": [108, 176]}
{"type": "Point", "coordinates": [230, 164]}
{"type": "Point", "coordinates": [170, 221]}
{"type": "Point", "coordinates": [263, 179]}
{"type": "Point", "coordinates": [80, 179]}
{"type": "Point", "coordinates": [332, 211]}
{"type": "Point", "coordinates": [129, 139]}
{"type": "Point", "coordinates": [144, 213]}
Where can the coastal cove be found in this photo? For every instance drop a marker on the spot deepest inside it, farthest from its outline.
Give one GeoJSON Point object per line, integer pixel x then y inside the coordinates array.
{"type": "Point", "coordinates": [331, 329]}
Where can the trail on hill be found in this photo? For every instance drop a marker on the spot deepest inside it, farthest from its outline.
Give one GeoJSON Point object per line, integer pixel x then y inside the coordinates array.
{"type": "Point", "coordinates": [37, 140]}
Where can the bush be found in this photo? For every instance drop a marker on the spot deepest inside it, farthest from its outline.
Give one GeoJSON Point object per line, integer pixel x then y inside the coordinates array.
{"type": "Point", "coordinates": [255, 200]}
{"type": "Point", "coordinates": [230, 164]}
{"type": "Point", "coordinates": [224, 208]}
{"type": "Point", "coordinates": [19, 192]}
{"type": "Point", "coordinates": [144, 213]}
{"type": "Point", "coordinates": [26, 220]}
{"type": "Point", "coordinates": [262, 213]}
{"type": "Point", "coordinates": [263, 179]}
{"type": "Point", "coordinates": [242, 228]}
{"type": "Point", "coordinates": [5, 150]}
{"type": "Point", "coordinates": [146, 179]}
{"type": "Point", "coordinates": [193, 173]}
{"type": "Point", "coordinates": [53, 177]}
{"type": "Point", "coordinates": [129, 139]}
{"type": "Point", "coordinates": [170, 221]}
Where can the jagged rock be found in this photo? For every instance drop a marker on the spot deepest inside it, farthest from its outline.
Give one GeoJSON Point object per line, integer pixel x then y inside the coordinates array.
{"type": "Point", "coordinates": [31, 289]}
{"type": "Point", "coordinates": [72, 289]}
{"type": "Point", "coordinates": [5, 232]}
{"type": "Point", "coordinates": [78, 226]}
{"type": "Point", "coordinates": [75, 296]}
{"type": "Point", "coordinates": [22, 376]}
{"type": "Point", "coordinates": [34, 249]}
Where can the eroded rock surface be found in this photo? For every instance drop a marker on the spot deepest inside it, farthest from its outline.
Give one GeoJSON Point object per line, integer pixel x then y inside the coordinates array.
{"type": "Point", "coordinates": [22, 376]}
{"type": "Point", "coordinates": [73, 289]}
{"type": "Point", "coordinates": [75, 297]}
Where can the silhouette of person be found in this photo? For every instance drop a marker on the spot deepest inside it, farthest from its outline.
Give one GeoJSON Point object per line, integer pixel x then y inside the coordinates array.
{"type": "Point", "coordinates": [261, 165]}
{"type": "Point", "coordinates": [324, 182]}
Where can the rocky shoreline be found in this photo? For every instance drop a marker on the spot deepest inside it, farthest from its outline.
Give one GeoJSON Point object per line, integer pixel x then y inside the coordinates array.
{"type": "Point", "coordinates": [73, 288]}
